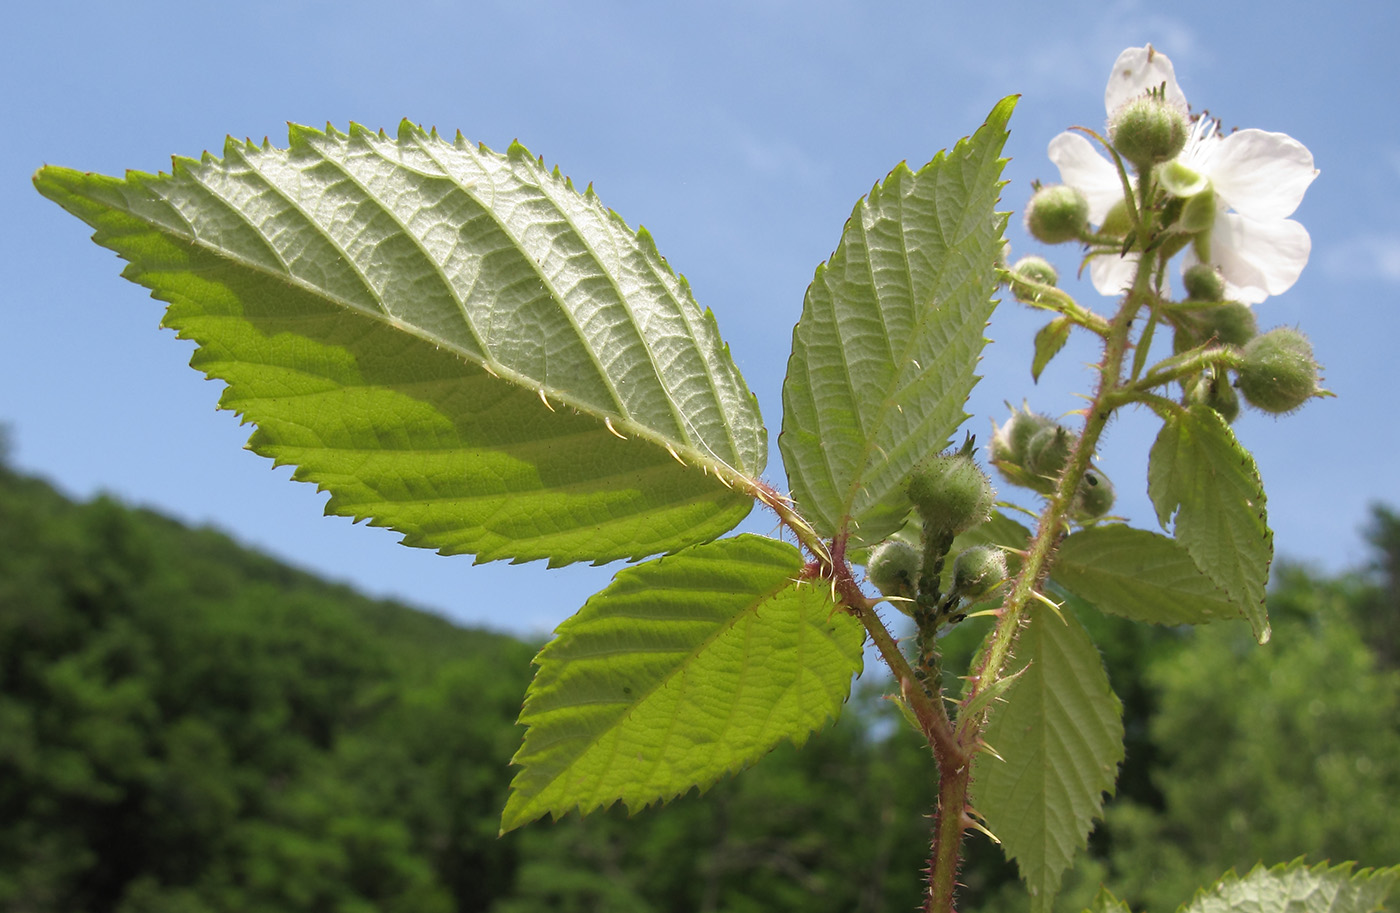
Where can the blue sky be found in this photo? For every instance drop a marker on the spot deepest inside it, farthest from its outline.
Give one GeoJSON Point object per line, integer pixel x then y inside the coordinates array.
{"type": "Point", "coordinates": [741, 135]}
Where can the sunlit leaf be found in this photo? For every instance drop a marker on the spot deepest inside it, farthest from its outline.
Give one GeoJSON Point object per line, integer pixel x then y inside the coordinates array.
{"type": "Point", "coordinates": [1140, 575]}
{"type": "Point", "coordinates": [453, 342]}
{"type": "Point", "coordinates": [891, 330]}
{"type": "Point", "coordinates": [1297, 888]}
{"type": "Point", "coordinates": [1059, 733]}
{"type": "Point", "coordinates": [1201, 476]}
{"type": "Point", "coordinates": [686, 668]}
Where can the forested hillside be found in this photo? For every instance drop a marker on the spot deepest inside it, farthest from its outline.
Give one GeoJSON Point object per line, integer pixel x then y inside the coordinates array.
{"type": "Point", "coordinates": [187, 726]}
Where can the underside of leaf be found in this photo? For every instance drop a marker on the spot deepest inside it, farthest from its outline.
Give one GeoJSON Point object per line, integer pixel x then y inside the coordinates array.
{"type": "Point", "coordinates": [1141, 575]}
{"type": "Point", "coordinates": [1299, 888]}
{"type": "Point", "coordinates": [686, 668]}
{"type": "Point", "coordinates": [453, 342]}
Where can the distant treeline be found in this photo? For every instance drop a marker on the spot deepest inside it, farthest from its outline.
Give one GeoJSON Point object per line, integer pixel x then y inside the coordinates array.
{"type": "Point", "coordinates": [189, 726]}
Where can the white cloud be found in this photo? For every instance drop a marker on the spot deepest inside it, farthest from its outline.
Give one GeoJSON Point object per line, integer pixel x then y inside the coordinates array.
{"type": "Point", "coordinates": [1365, 257]}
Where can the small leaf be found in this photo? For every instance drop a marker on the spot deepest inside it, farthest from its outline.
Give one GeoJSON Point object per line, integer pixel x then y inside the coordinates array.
{"type": "Point", "coordinates": [1060, 733]}
{"type": "Point", "coordinates": [454, 342]}
{"type": "Point", "coordinates": [684, 669]}
{"type": "Point", "coordinates": [1198, 473]}
{"type": "Point", "coordinates": [1048, 343]}
{"type": "Point", "coordinates": [884, 356]}
{"type": "Point", "coordinates": [1140, 575]}
{"type": "Point", "coordinates": [1298, 888]}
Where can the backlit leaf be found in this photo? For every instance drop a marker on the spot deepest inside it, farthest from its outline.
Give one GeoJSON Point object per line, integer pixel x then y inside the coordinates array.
{"type": "Point", "coordinates": [453, 342]}
{"type": "Point", "coordinates": [1201, 476]}
{"type": "Point", "coordinates": [1060, 733]}
{"type": "Point", "coordinates": [1140, 575]}
{"type": "Point", "coordinates": [891, 330]}
{"type": "Point", "coordinates": [684, 669]}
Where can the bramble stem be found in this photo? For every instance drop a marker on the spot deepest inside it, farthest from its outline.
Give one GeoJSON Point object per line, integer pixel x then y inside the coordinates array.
{"type": "Point", "coordinates": [990, 665]}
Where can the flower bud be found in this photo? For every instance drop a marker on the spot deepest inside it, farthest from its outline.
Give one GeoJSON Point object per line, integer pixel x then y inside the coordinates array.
{"type": "Point", "coordinates": [1213, 390]}
{"type": "Point", "coordinates": [951, 494]}
{"type": "Point", "coordinates": [978, 570]}
{"type": "Point", "coordinates": [1093, 498]}
{"type": "Point", "coordinates": [1048, 452]}
{"type": "Point", "coordinates": [1148, 131]}
{"type": "Point", "coordinates": [1011, 442]}
{"type": "Point", "coordinates": [1278, 373]}
{"type": "Point", "coordinates": [1057, 213]}
{"type": "Point", "coordinates": [1203, 283]}
{"type": "Point", "coordinates": [1226, 323]}
{"type": "Point", "coordinates": [1036, 269]}
{"type": "Point", "coordinates": [893, 567]}
{"type": "Point", "coordinates": [1232, 323]}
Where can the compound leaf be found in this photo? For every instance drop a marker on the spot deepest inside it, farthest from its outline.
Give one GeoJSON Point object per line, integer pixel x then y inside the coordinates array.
{"type": "Point", "coordinates": [453, 342]}
{"type": "Point", "coordinates": [884, 356]}
{"type": "Point", "coordinates": [684, 669]}
{"type": "Point", "coordinates": [1198, 473]}
{"type": "Point", "coordinates": [1298, 888]}
{"type": "Point", "coordinates": [1140, 575]}
{"type": "Point", "coordinates": [1059, 733]}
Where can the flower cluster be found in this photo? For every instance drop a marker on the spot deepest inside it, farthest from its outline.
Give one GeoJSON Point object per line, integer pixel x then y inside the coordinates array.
{"type": "Point", "coordinates": [1247, 182]}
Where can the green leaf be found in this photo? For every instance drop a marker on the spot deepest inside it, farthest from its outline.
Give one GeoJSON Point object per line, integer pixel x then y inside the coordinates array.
{"type": "Point", "coordinates": [884, 356]}
{"type": "Point", "coordinates": [685, 668]}
{"type": "Point", "coordinates": [1105, 902]}
{"type": "Point", "coordinates": [1296, 888]}
{"type": "Point", "coordinates": [1140, 575]}
{"type": "Point", "coordinates": [1048, 343]}
{"type": "Point", "coordinates": [1200, 474]}
{"type": "Point", "coordinates": [453, 342]}
{"type": "Point", "coordinates": [1060, 733]}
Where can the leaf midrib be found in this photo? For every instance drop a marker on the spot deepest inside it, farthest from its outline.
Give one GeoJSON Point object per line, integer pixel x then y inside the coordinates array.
{"type": "Point", "coordinates": [488, 364]}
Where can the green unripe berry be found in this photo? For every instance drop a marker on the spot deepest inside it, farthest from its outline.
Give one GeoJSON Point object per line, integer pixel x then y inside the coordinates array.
{"type": "Point", "coordinates": [1278, 373]}
{"type": "Point", "coordinates": [1048, 452]}
{"type": "Point", "coordinates": [1094, 497]}
{"type": "Point", "coordinates": [1036, 269]}
{"type": "Point", "coordinates": [1057, 213]}
{"type": "Point", "coordinates": [978, 570]}
{"type": "Point", "coordinates": [1214, 390]}
{"type": "Point", "coordinates": [1203, 283]}
{"type": "Point", "coordinates": [1148, 131]}
{"type": "Point", "coordinates": [893, 567]}
{"type": "Point", "coordinates": [951, 494]}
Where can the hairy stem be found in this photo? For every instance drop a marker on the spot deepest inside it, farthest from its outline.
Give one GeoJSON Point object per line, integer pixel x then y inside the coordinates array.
{"type": "Point", "coordinates": [989, 666]}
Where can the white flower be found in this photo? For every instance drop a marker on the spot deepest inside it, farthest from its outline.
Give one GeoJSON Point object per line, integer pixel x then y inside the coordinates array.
{"type": "Point", "coordinates": [1258, 179]}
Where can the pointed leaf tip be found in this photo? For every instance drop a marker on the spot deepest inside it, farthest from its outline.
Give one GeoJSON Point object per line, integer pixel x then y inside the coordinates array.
{"type": "Point", "coordinates": [880, 371]}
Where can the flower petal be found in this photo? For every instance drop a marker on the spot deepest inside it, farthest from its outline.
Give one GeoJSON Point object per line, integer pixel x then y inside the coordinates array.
{"type": "Point", "coordinates": [1134, 72]}
{"type": "Point", "coordinates": [1113, 275]}
{"type": "Point", "coordinates": [1082, 167]}
{"type": "Point", "coordinates": [1261, 175]}
{"type": "Point", "coordinates": [1257, 258]}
